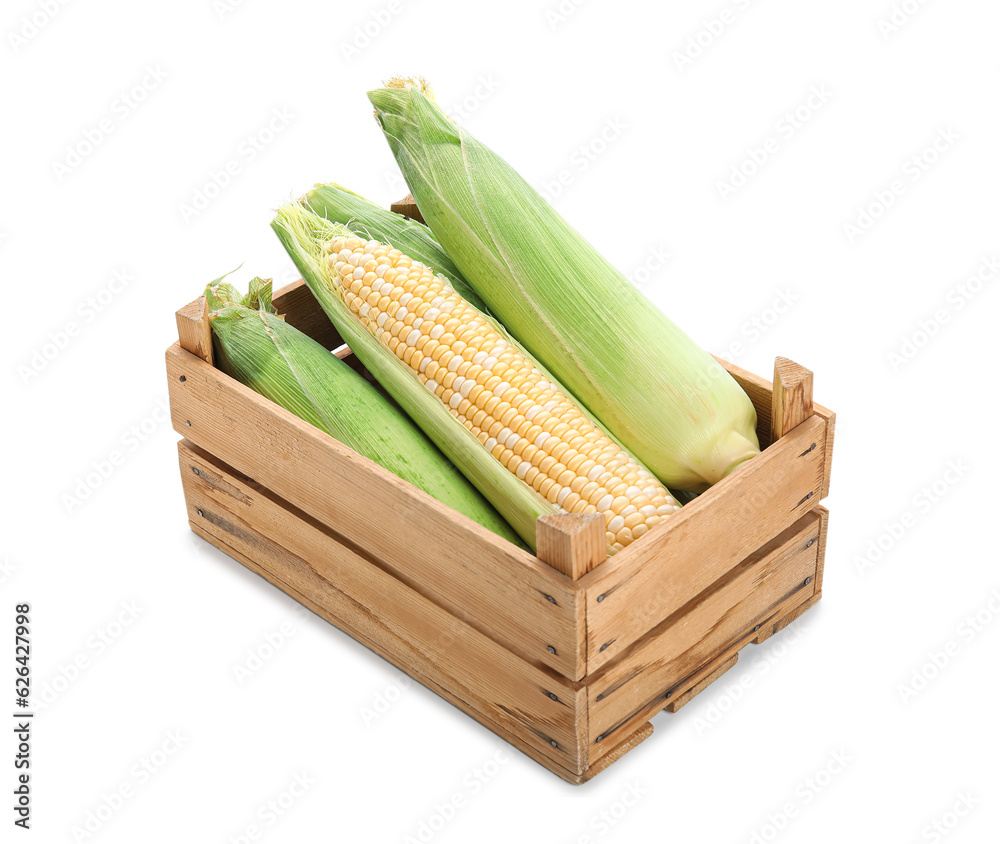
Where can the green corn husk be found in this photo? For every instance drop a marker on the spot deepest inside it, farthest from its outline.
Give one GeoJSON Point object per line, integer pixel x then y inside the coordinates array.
{"type": "Point", "coordinates": [665, 398]}
{"type": "Point", "coordinates": [303, 233]}
{"type": "Point", "coordinates": [255, 346]}
{"type": "Point", "coordinates": [372, 222]}
{"type": "Point", "coordinates": [365, 219]}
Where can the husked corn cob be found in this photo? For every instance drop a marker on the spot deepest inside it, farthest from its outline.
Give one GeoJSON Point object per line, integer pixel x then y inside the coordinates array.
{"type": "Point", "coordinates": [529, 424]}
{"type": "Point", "coordinates": [363, 218]}
{"type": "Point", "coordinates": [256, 347]}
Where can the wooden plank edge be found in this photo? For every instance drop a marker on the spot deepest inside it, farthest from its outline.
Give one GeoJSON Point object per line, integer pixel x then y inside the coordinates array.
{"type": "Point", "coordinates": [714, 670]}
{"type": "Point", "coordinates": [642, 732]}
{"type": "Point", "coordinates": [824, 526]}
{"type": "Point", "coordinates": [831, 424]}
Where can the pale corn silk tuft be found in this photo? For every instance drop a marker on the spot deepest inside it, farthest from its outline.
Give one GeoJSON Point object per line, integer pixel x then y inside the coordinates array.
{"type": "Point", "coordinates": [526, 422]}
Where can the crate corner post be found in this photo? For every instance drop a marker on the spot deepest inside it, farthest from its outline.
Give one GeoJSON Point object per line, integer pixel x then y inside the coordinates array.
{"type": "Point", "coordinates": [194, 329]}
{"type": "Point", "coordinates": [792, 399]}
{"type": "Point", "coordinates": [572, 543]}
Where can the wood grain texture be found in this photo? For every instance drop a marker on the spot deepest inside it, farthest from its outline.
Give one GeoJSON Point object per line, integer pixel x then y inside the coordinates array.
{"type": "Point", "coordinates": [301, 310]}
{"type": "Point", "coordinates": [533, 610]}
{"type": "Point", "coordinates": [791, 397]}
{"type": "Point", "coordinates": [629, 740]}
{"type": "Point", "coordinates": [407, 206]}
{"type": "Point", "coordinates": [670, 658]}
{"type": "Point", "coordinates": [572, 543]}
{"type": "Point", "coordinates": [545, 710]}
{"type": "Point", "coordinates": [712, 672]}
{"type": "Point", "coordinates": [781, 623]}
{"type": "Point", "coordinates": [194, 330]}
{"type": "Point", "coordinates": [681, 557]}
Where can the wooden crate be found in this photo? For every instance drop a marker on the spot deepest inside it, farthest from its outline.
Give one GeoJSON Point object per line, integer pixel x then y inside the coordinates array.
{"type": "Point", "coordinates": [565, 655]}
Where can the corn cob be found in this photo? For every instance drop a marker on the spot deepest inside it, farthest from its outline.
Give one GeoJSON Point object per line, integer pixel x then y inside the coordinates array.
{"type": "Point", "coordinates": [649, 384]}
{"type": "Point", "coordinates": [373, 222]}
{"type": "Point", "coordinates": [303, 234]}
{"type": "Point", "coordinates": [522, 419]}
{"type": "Point", "coordinates": [363, 218]}
{"type": "Point", "coordinates": [259, 349]}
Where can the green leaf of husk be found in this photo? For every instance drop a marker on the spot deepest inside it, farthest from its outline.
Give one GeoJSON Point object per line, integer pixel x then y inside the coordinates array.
{"type": "Point", "coordinates": [303, 234]}
{"type": "Point", "coordinates": [669, 401]}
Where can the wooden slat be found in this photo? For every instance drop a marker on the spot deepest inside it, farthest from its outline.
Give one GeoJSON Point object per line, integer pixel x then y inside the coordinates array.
{"type": "Point", "coordinates": [824, 526]}
{"type": "Point", "coordinates": [407, 206]}
{"type": "Point", "coordinates": [638, 587]}
{"type": "Point", "coordinates": [639, 734]}
{"type": "Point", "coordinates": [543, 708]}
{"type": "Point", "coordinates": [709, 675]}
{"type": "Point", "coordinates": [299, 307]}
{"type": "Point", "coordinates": [666, 662]}
{"type": "Point", "coordinates": [194, 329]}
{"type": "Point", "coordinates": [572, 543]}
{"type": "Point", "coordinates": [780, 624]}
{"type": "Point", "coordinates": [783, 622]}
{"type": "Point", "coordinates": [523, 603]}
{"type": "Point", "coordinates": [791, 398]}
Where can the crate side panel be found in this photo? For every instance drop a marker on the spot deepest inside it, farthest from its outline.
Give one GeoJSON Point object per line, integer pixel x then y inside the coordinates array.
{"type": "Point", "coordinates": [395, 652]}
{"type": "Point", "coordinates": [642, 585]}
{"type": "Point", "coordinates": [425, 640]}
{"type": "Point", "coordinates": [670, 659]}
{"type": "Point", "coordinates": [530, 608]}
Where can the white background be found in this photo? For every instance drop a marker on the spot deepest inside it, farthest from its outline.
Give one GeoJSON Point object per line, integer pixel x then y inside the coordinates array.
{"type": "Point", "coordinates": [540, 86]}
